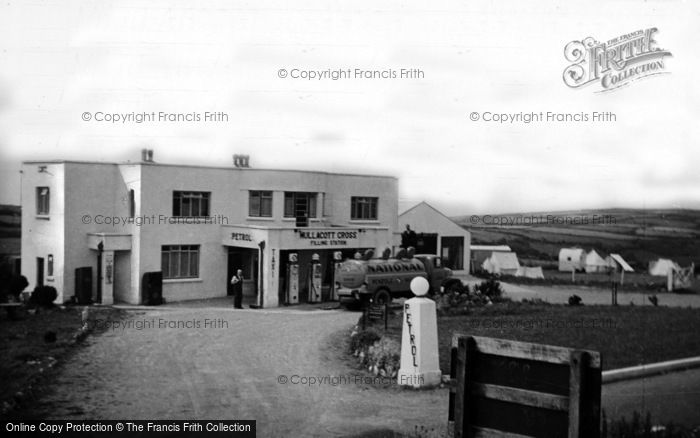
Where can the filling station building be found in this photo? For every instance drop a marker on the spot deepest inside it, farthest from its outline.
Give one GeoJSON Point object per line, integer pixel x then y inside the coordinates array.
{"type": "Point", "coordinates": [135, 232]}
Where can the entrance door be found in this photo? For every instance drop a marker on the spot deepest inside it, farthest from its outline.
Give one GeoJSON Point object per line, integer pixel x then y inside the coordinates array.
{"type": "Point", "coordinates": [39, 271]}
{"type": "Point", "coordinates": [453, 252]}
{"type": "Point", "coordinates": [235, 261]}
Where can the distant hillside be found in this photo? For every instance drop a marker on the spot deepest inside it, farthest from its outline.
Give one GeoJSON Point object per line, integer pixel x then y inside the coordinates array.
{"type": "Point", "coordinates": [639, 235]}
{"type": "Point", "coordinates": [10, 228]}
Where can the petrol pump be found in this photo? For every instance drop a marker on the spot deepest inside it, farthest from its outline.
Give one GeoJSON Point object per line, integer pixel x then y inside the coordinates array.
{"type": "Point", "coordinates": [293, 279]}
{"type": "Point", "coordinates": [337, 258]}
{"type": "Point", "coordinates": [315, 277]}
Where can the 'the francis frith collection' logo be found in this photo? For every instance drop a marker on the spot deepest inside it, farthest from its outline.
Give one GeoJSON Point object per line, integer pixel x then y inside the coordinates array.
{"type": "Point", "coordinates": [614, 63]}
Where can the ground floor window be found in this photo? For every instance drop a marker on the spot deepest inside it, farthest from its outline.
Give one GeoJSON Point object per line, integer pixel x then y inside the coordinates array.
{"type": "Point", "coordinates": [180, 261]}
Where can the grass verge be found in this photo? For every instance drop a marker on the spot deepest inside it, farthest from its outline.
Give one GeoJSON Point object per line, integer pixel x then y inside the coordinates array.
{"type": "Point", "coordinates": [624, 335]}
{"type": "Point", "coordinates": [34, 345]}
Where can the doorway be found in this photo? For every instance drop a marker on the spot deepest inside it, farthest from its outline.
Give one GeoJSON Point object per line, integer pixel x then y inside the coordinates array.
{"type": "Point", "coordinates": [39, 271]}
{"type": "Point", "coordinates": [453, 252]}
{"type": "Point", "coordinates": [245, 259]}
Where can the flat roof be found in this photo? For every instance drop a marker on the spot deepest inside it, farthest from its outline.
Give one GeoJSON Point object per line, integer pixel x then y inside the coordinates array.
{"type": "Point", "coordinates": [197, 166]}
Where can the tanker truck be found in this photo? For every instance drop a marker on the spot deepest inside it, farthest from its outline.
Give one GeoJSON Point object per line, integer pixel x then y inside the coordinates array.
{"type": "Point", "coordinates": [383, 279]}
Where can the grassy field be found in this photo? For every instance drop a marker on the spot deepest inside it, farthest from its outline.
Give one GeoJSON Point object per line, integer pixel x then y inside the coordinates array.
{"type": "Point", "coordinates": [29, 355]}
{"type": "Point", "coordinates": [625, 335]}
{"type": "Point", "coordinates": [638, 235]}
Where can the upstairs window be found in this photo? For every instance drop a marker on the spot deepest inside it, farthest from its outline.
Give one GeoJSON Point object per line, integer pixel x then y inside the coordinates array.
{"type": "Point", "coordinates": [42, 201]}
{"type": "Point", "coordinates": [300, 204]}
{"type": "Point", "coordinates": [363, 208]}
{"type": "Point", "coordinates": [191, 204]}
{"type": "Point", "coordinates": [260, 203]}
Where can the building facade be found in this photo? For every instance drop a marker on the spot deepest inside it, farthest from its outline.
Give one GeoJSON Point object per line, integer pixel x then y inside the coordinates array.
{"type": "Point", "coordinates": [104, 226]}
{"type": "Point", "coordinates": [436, 234]}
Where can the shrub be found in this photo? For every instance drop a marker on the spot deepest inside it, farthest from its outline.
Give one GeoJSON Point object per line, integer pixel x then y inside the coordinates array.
{"type": "Point", "coordinates": [575, 300]}
{"type": "Point", "coordinates": [491, 288]}
{"type": "Point", "coordinates": [363, 339]}
{"type": "Point", "coordinates": [384, 356]}
{"type": "Point", "coordinates": [43, 296]}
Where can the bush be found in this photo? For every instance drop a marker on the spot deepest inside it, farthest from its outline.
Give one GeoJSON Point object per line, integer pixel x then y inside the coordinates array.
{"type": "Point", "coordinates": [575, 300]}
{"type": "Point", "coordinates": [491, 288]}
{"type": "Point", "coordinates": [43, 296]}
{"type": "Point", "coordinates": [363, 339]}
{"type": "Point", "coordinates": [384, 357]}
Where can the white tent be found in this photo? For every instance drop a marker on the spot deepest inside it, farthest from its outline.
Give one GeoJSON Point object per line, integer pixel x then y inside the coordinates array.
{"type": "Point", "coordinates": [595, 263]}
{"type": "Point", "coordinates": [661, 267]}
{"type": "Point", "coordinates": [572, 259]}
{"type": "Point", "coordinates": [504, 263]}
{"type": "Point", "coordinates": [530, 272]}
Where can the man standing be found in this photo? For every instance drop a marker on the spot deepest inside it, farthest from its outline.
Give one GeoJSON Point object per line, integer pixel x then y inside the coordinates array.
{"type": "Point", "coordinates": [237, 282]}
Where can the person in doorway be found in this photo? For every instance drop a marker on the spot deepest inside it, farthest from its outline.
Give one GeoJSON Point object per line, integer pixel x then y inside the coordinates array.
{"type": "Point", "coordinates": [408, 238]}
{"type": "Point", "coordinates": [237, 282]}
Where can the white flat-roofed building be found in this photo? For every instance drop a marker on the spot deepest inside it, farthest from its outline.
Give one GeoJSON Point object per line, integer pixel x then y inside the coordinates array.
{"type": "Point", "coordinates": [103, 226]}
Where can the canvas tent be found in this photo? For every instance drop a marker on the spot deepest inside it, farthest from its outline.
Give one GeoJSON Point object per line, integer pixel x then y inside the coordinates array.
{"type": "Point", "coordinates": [502, 263]}
{"type": "Point", "coordinates": [595, 263]}
{"type": "Point", "coordinates": [530, 272]}
{"type": "Point", "coordinates": [479, 253]}
{"type": "Point", "coordinates": [572, 259]}
{"type": "Point", "coordinates": [661, 267]}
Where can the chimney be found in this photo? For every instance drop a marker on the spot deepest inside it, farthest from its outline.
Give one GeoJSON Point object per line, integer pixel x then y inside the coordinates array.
{"type": "Point", "coordinates": [147, 155]}
{"type": "Point", "coordinates": [241, 161]}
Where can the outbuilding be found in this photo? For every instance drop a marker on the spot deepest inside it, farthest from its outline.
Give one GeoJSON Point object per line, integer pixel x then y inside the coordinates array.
{"type": "Point", "coordinates": [437, 234]}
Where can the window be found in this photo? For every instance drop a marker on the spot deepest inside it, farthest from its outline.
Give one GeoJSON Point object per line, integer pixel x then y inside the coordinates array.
{"type": "Point", "coordinates": [180, 261]}
{"type": "Point", "coordinates": [42, 200]}
{"type": "Point", "coordinates": [191, 204]}
{"type": "Point", "coordinates": [363, 208]}
{"type": "Point", "coordinates": [49, 265]}
{"type": "Point", "coordinates": [299, 204]}
{"type": "Point", "coordinates": [132, 203]}
{"type": "Point", "coordinates": [260, 203]}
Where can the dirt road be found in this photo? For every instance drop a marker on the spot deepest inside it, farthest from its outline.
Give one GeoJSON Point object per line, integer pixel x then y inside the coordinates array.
{"type": "Point", "coordinates": [249, 364]}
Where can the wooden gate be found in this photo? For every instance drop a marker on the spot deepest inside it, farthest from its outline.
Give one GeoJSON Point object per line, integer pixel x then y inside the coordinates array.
{"type": "Point", "coordinates": [503, 388]}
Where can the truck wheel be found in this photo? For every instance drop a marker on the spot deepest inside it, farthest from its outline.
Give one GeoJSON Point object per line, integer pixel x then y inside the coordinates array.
{"type": "Point", "coordinates": [382, 296]}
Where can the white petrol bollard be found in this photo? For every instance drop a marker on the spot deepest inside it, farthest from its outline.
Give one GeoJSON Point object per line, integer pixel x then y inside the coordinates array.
{"type": "Point", "coordinates": [420, 365]}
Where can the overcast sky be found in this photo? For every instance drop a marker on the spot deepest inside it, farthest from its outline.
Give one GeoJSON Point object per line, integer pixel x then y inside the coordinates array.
{"type": "Point", "coordinates": [60, 59]}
